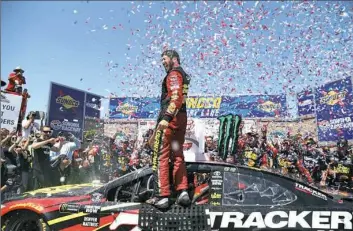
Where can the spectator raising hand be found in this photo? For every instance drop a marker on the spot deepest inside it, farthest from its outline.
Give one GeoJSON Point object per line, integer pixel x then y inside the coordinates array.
{"type": "Point", "coordinates": [29, 126]}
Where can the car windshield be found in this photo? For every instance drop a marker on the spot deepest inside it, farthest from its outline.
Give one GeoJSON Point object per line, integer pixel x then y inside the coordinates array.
{"type": "Point", "coordinates": [93, 91]}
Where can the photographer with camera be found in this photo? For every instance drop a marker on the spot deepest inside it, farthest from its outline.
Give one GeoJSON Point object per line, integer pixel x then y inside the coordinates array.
{"type": "Point", "coordinates": [29, 126]}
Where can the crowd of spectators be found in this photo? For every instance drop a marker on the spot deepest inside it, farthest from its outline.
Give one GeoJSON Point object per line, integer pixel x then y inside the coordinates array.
{"type": "Point", "coordinates": [45, 160]}
{"type": "Point", "coordinates": [41, 158]}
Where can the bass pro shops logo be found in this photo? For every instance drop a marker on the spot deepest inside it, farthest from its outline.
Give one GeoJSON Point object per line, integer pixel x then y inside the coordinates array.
{"type": "Point", "coordinates": [67, 101]}
{"type": "Point", "coordinates": [305, 220]}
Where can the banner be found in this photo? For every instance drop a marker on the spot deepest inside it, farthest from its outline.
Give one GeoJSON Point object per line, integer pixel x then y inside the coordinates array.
{"type": "Point", "coordinates": [10, 110]}
{"type": "Point", "coordinates": [251, 106]}
{"type": "Point", "coordinates": [254, 106]}
{"type": "Point", "coordinates": [66, 109]}
{"type": "Point", "coordinates": [334, 110]}
{"type": "Point", "coordinates": [92, 106]}
{"type": "Point", "coordinates": [306, 106]}
{"type": "Point", "coordinates": [133, 107]}
{"type": "Point", "coordinates": [204, 107]}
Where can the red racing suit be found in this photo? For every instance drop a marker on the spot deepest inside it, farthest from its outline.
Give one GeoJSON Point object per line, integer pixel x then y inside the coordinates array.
{"type": "Point", "coordinates": [173, 109]}
{"type": "Point", "coordinates": [14, 81]}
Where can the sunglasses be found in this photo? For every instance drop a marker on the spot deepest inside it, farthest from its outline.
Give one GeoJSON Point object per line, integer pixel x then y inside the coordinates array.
{"type": "Point", "coordinates": [47, 131]}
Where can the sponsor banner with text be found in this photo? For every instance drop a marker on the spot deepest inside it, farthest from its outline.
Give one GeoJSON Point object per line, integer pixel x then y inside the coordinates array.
{"type": "Point", "coordinates": [93, 106]}
{"type": "Point", "coordinates": [66, 109]}
{"type": "Point", "coordinates": [10, 110]}
{"type": "Point", "coordinates": [251, 106]}
{"type": "Point", "coordinates": [133, 107]}
{"type": "Point", "coordinates": [334, 110]}
{"type": "Point", "coordinates": [306, 105]}
{"type": "Point", "coordinates": [255, 106]}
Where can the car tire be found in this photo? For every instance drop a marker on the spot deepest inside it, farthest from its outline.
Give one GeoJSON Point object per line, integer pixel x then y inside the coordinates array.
{"type": "Point", "coordinates": [23, 221]}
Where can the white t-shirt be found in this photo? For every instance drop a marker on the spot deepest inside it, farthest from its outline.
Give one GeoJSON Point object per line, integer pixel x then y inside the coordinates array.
{"type": "Point", "coordinates": [32, 127]}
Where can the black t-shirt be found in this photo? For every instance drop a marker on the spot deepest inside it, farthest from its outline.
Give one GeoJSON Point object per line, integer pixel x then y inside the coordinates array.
{"type": "Point", "coordinates": [11, 158]}
{"type": "Point", "coordinates": [41, 160]}
{"type": "Point", "coordinates": [25, 159]}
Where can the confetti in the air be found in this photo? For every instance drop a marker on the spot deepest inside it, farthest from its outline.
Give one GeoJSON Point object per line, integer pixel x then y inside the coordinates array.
{"type": "Point", "coordinates": [227, 47]}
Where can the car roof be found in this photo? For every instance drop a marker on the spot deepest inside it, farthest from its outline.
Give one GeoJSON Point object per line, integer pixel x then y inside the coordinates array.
{"type": "Point", "coordinates": [200, 166]}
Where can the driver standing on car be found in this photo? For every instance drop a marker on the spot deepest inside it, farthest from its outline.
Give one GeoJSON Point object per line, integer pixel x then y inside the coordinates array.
{"type": "Point", "coordinates": [169, 135]}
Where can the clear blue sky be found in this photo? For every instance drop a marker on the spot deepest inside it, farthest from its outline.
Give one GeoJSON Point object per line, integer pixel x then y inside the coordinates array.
{"type": "Point", "coordinates": [228, 47]}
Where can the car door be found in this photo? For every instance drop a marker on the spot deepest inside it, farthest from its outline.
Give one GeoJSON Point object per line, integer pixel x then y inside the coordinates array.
{"type": "Point", "coordinates": [258, 200]}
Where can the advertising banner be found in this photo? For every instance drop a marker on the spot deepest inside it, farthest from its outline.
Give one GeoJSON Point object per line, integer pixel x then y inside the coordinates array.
{"type": "Point", "coordinates": [10, 110]}
{"type": "Point", "coordinates": [254, 106]}
{"type": "Point", "coordinates": [250, 106]}
{"type": "Point", "coordinates": [93, 106]}
{"type": "Point", "coordinates": [306, 106]}
{"type": "Point", "coordinates": [334, 110]}
{"type": "Point", "coordinates": [204, 107]}
{"type": "Point", "coordinates": [133, 107]}
{"type": "Point", "coordinates": [66, 109]}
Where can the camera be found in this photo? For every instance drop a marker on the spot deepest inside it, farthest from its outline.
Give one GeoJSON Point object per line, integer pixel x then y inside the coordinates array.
{"type": "Point", "coordinates": [35, 114]}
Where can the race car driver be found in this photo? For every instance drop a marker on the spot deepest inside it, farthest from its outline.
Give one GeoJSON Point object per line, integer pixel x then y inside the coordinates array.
{"type": "Point", "coordinates": [169, 135]}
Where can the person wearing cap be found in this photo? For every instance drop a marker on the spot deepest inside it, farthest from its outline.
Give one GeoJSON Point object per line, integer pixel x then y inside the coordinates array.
{"type": "Point", "coordinates": [16, 80]}
{"type": "Point", "coordinates": [169, 135]}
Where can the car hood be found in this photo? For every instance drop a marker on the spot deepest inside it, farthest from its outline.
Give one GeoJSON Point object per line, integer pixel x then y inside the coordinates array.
{"type": "Point", "coordinates": [58, 191]}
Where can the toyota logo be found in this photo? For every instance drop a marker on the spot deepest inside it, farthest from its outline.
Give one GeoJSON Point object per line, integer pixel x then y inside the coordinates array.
{"type": "Point", "coordinates": [217, 173]}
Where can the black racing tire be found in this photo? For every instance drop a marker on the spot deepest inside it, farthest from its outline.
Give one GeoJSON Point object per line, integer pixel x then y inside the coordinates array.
{"type": "Point", "coordinates": [23, 221]}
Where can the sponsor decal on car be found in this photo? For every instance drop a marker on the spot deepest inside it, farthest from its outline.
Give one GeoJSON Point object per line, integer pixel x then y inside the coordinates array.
{"type": "Point", "coordinates": [333, 220]}
{"type": "Point", "coordinates": [217, 174]}
{"type": "Point", "coordinates": [217, 182]}
{"type": "Point", "coordinates": [90, 221]}
{"type": "Point", "coordinates": [91, 209]}
{"type": "Point", "coordinates": [96, 197]}
{"type": "Point", "coordinates": [216, 187]}
{"type": "Point", "coordinates": [59, 189]}
{"type": "Point", "coordinates": [27, 205]}
{"type": "Point", "coordinates": [230, 169]}
{"type": "Point", "coordinates": [311, 191]}
{"type": "Point", "coordinates": [69, 208]}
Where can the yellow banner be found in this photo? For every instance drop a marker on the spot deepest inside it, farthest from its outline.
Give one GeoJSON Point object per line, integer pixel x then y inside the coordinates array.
{"type": "Point", "coordinates": [204, 102]}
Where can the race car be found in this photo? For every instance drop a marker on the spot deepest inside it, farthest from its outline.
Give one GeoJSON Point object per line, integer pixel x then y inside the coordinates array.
{"type": "Point", "coordinates": [224, 197]}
